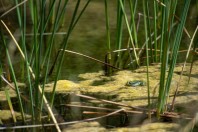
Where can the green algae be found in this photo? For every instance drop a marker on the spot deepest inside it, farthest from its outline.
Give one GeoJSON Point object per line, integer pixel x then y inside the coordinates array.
{"type": "Point", "coordinates": [95, 126]}
{"type": "Point", "coordinates": [12, 94]}
{"type": "Point", "coordinates": [6, 115]}
{"type": "Point", "coordinates": [62, 86]}
{"type": "Point", "coordinates": [85, 127]}
{"type": "Point", "coordinates": [114, 87]}
{"type": "Point", "coordinates": [150, 127]}
{"type": "Point", "coordinates": [11, 91]}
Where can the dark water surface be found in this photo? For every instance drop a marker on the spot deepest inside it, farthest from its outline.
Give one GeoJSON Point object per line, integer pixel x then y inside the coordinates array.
{"type": "Point", "coordinates": [89, 37]}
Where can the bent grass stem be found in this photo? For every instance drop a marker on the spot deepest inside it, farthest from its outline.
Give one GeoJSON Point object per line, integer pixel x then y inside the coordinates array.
{"type": "Point", "coordinates": [33, 75]}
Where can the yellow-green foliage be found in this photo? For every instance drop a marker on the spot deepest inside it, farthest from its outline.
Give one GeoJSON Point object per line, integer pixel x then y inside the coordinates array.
{"type": "Point", "coordinates": [114, 88]}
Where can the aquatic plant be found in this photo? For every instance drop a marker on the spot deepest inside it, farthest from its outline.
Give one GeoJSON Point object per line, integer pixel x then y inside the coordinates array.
{"type": "Point", "coordinates": [141, 37]}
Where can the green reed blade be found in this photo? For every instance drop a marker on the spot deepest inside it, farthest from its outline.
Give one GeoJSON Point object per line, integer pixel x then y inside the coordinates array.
{"type": "Point", "coordinates": [119, 34]}
{"type": "Point", "coordinates": [37, 54]}
{"type": "Point", "coordinates": [54, 29]}
{"type": "Point", "coordinates": [183, 67]}
{"type": "Point", "coordinates": [177, 41]}
{"type": "Point", "coordinates": [13, 77]}
{"type": "Point", "coordinates": [133, 24]}
{"type": "Point", "coordinates": [62, 53]}
{"type": "Point", "coordinates": [108, 36]}
{"type": "Point", "coordinates": [81, 12]}
{"type": "Point", "coordinates": [39, 62]}
{"type": "Point", "coordinates": [163, 57]}
{"type": "Point", "coordinates": [10, 105]}
{"type": "Point", "coordinates": [23, 27]}
{"type": "Point", "coordinates": [49, 50]}
{"type": "Point", "coordinates": [129, 31]}
{"type": "Point", "coordinates": [146, 24]}
{"type": "Point", "coordinates": [155, 30]}
{"type": "Point", "coordinates": [107, 27]}
{"type": "Point", "coordinates": [149, 31]}
{"type": "Point", "coordinates": [74, 24]}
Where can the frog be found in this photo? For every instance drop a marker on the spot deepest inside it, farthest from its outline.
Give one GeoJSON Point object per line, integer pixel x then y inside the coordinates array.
{"type": "Point", "coordinates": [135, 83]}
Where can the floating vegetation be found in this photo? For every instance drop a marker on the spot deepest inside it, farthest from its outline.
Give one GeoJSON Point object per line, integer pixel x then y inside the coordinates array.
{"type": "Point", "coordinates": [123, 64]}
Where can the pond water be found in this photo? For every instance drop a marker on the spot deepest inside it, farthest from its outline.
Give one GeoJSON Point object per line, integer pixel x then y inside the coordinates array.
{"type": "Point", "coordinates": [110, 94]}
{"type": "Point", "coordinates": [84, 76]}
{"type": "Point", "coordinates": [89, 38]}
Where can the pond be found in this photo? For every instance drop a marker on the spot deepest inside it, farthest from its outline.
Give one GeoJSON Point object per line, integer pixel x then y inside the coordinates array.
{"type": "Point", "coordinates": [88, 100]}
{"type": "Point", "coordinates": [97, 95]}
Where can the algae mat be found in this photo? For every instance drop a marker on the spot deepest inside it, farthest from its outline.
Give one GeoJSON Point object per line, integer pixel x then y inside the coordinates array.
{"type": "Point", "coordinates": [114, 87]}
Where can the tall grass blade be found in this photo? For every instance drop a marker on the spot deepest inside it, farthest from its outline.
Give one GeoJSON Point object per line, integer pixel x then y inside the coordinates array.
{"type": "Point", "coordinates": [27, 66]}
{"type": "Point", "coordinates": [163, 56]}
{"type": "Point", "coordinates": [167, 25]}
{"type": "Point", "coordinates": [119, 33]}
{"type": "Point", "coordinates": [177, 42]}
{"type": "Point", "coordinates": [54, 29]}
{"type": "Point", "coordinates": [8, 99]}
{"type": "Point", "coordinates": [155, 30]}
{"type": "Point", "coordinates": [74, 24]}
{"type": "Point", "coordinates": [62, 53]}
{"type": "Point", "coordinates": [33, 76]}
{"type": "Point", "coordinates": [149, 32]}
{"type": "Point", "coordinates": [108, 36]}
{"type": "Point", "coordinates": [133, 24]}
{"type": "Point", "coordinates": [71, 26]}
{"type": "Point", "coordinates": [187, 55]}
{"type": "Point", "coordinates": [10, 105]}
{"type": "Point", "coordinates": [13, 8]}
{"type": "Point", "coordinates": [129, 31]}
{"type": "Point", "coordinates": [13, 75]}
{"type": "Point", "coordinates": [79, 16]}
{"type": "Point", "coordinates": [146, 24]}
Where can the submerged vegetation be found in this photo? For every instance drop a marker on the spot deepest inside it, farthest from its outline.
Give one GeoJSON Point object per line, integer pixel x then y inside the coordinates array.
{"type": "Point", "coordinates": [135, 35]}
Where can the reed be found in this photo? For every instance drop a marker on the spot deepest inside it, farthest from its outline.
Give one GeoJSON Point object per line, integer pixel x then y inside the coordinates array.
{"type": "Point", "coordinates": [14, 79]}
{"type": "Point", "coordinates": [154, 38]}
{"type": "Point", "coordinates": [146, 25]}
{"type": "Point", "coordinates": [164, 89]}
{"type": "Point", "coordinates": [159, 25]}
